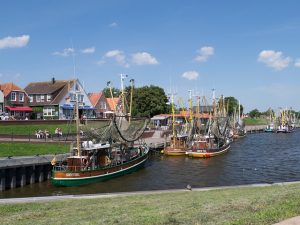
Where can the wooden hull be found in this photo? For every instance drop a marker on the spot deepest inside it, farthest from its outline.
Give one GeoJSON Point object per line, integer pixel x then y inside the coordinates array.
{"type": "Point", "coordinates": [174, 151]}
{"type": "Point", "coordinates": [69, 178]}
{"type": "Point", "coordinates": [207, 153]}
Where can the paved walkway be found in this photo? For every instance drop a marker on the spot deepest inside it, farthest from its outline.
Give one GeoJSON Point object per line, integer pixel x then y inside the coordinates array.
{"type": "Point", "coordinates": [292, 221]}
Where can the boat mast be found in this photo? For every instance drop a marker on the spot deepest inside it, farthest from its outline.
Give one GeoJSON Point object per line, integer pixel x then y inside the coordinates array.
{"type": "Point", "coordinates": [191, 105]}
{"type": "Point", "coordinates": [239, 112]}
{"type": "Point", "coordinates": [111, 94]}
{"type": "Point", "coordinates": [131, 96]}
{"type": "Point", "coordinates": [77, 126]}
{"type": "Point", "coordinates": [173, 119]}
{"type": "Point", "coordinates": [123, 76]}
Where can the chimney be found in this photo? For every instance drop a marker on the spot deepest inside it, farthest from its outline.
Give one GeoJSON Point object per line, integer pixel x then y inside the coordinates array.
{"type": "Point", "coordinates": [53, 80]}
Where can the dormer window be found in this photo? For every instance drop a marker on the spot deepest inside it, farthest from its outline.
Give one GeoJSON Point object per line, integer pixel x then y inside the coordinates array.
{"type": "Point", "coordinates": [21, 97]}
{"type": "Point", "coordinates": [30, 98]}
{"type": "Point", "coordinates": [42, 98]}
{"type": "Point", "coordinates": [49, 98]}
{"type": "Point", "coordinates": [13, 96]}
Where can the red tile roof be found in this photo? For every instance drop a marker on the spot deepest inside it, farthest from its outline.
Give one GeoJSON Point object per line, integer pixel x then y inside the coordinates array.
{"type": "Point", "coordinates": [95, 97]}
{"type": "Point", "coordinates": [9, 87]}
{"type": "Point", "coordinates": [112, 102]}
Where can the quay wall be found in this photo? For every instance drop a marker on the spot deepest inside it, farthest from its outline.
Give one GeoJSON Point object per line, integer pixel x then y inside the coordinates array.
{"type": "Point", "coordinates": [20, 171]}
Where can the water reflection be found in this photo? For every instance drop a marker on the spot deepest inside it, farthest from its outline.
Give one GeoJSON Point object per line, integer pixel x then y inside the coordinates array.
{"type": "Point", "coordinates": [257, 158]}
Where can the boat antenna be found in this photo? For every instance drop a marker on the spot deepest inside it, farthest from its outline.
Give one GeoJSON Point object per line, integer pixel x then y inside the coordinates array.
{"type": "Point", "coordinates": [73, 56]}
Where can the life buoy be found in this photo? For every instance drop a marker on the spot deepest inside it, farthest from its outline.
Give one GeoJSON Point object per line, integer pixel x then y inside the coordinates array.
{"type": "Point", "coordinates": [84, 161]}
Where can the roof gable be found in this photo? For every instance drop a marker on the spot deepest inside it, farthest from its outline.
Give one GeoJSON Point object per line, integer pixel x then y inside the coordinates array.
{"type": "Point", "coordinates": [9, 87]}
{"type": "Point", "coordinates": [112, 103]}
{"type": "Point", "coordinates": [95, 97]}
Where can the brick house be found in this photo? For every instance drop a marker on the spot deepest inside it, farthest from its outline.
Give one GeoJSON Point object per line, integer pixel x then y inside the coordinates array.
{"type": "Point", "coordinates": [55, 99]}
{"type": "Point", "coordinates": [15, 101]}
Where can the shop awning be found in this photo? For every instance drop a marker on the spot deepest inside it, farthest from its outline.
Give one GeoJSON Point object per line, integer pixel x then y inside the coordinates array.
{"type": "Point", "coordinates": [19, 108]}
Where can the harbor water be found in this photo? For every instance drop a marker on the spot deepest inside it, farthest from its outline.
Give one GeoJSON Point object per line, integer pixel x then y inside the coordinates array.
{"type": "Point", "coordinates": [256, 158]}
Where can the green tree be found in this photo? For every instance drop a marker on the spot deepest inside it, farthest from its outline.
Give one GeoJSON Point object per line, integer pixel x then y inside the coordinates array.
{"type": "Point", "coordinates": [115, 92]}
{"type": "Point", "coordinates": [233, 104]}
{"type": "Point", "coordinates": [148, 101]}
{"type": "Point", "coordinates": [254, 113]}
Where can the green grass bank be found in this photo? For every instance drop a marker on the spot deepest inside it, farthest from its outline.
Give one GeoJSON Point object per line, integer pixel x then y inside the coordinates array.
{"type": "Point", "coordinates": [240, 205]}
{"type": "Point", "coordinates": [255, 121]}
{"type": "Point", "coordinates": [30, 149]}
{"type": "Point", "coordinates": [30, 129]}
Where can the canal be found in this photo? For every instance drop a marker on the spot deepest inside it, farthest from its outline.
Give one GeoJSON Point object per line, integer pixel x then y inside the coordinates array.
{"type": "Point", "coordinates": [257, 158]}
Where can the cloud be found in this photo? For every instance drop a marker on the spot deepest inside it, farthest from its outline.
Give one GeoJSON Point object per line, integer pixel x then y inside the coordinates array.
{"type": "Point", "coordinates": [14, 42]}
{"type": "Point", "coordinates": [118, 56]}
{"type": "Point", "coordinates": [204, 53]}
{"type": "Point", "coordinates": [88, 50]}
{"type": "Point", "coordinates": [274, 59]}
{"type": "Point", "coordinates": [190, 75]}
{"type": "Point", "coordinates": [66, 52]}
{"type": "Point", "coordinates": [297, 63]}
{"type": "Point", "coordinates": [143, 58]}
{"type": "Point", "coordinates": [114, 24]}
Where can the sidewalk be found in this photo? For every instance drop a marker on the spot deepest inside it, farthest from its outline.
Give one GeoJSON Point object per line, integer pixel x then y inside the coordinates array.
{"type": "Point", "coordinates": [291, 221]}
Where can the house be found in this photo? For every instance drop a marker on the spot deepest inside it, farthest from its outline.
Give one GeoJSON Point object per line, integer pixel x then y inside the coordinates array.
{"type": "Point", "coordinates": [55, 99]}
{"type": "Point", "coordinates": [113, 104]}
{"type": "Point", "coordinates": [15, 101]}
{"type": "Point", "coordinates": [1, 102]}
{"type": "Point", "coordinates": [100, 104]}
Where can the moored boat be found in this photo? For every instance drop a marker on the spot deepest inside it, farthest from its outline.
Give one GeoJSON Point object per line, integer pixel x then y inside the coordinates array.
{"type": "Point", "coordinates": [111, 151]}
{"type": "Point", "coordinates": [177, 147]}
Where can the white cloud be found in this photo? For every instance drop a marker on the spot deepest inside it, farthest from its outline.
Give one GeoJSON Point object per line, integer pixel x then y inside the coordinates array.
{"type": "Point", "coordinates": [114, 24]}
{"type": "Point", "coordinates": [190, 75]}
{"type": "Point", "coordinates": [88, 50]}
{"type": "Point", "coordinates": [204, 53]}
{"type": "Point", "coordinates": [274, 59]}
{"type": "Point", "coordinates": [14, 42]}
{"type": "Point", "coordinates": [118, 56]}
{"type": "Point", "coordinates": [143, 58]}
{"type": "Point", "coordinates": [66, 52]}
{"type": "Point", "coordinates": [297, 63]}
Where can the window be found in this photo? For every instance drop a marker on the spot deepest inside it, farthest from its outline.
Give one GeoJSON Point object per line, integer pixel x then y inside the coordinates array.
{"type": "Point", "coordinates": [42, 98]}
{"type": "Point", "coordinates": [38, 98]}
{"type": "Point", "coordinates": [30, 98]}
{"type": "Point", "coordinates": [13, 96]}
{"type": "Point", "coordinates": [102, 105]}
{"type": "Point", "coordinates": [72, 97]}
{"type": "Point", "coordinates": [49, 98]}
{"type": "Point", "coordinates": [80, 98]}
{"type": "Point", "coordinates": [48, 111]}
{"type": "Point", "coordinates": [21, 97]}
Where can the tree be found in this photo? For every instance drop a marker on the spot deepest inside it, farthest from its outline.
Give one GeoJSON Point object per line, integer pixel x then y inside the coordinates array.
{"type": "Point", "coordinates": [233, 105]}
{"type": "Point", "coordinates": [254, 113]}
{"type": "Point", "coordinates": [148, 101]}
{"type": "Point", "coordinates": [115, 92]}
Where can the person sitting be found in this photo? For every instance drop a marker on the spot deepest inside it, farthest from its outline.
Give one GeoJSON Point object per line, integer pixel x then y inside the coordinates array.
{"type": "Point", "coordinates": [59, 131]}
{"type": "Point", "coordinates": [56, 132]}
{"type": "Point", "coordinates": [37, 134]}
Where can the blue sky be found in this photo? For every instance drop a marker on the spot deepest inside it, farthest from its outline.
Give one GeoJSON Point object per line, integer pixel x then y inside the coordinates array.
{"type": "Point", "coordinates": [246, 49]}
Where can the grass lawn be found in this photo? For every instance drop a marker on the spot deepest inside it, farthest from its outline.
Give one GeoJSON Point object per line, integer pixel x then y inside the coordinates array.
{"type": "Point", "coordinates": [255, 121]}
{"type": "Point", "coordinates": [251, 205]}
{"type": "Point", "coordinates": [30, 129]}
{"type": "Point", "coordinates": [29, 149]}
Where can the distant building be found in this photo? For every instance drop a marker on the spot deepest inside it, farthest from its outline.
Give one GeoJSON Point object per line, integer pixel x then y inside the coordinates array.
{"type": "Point", "coordinates": [56, 99]}
{"type": "Point", "coordinates": [113, 104]}
{"type": "Point", "coordinates": [1, 102]}
{"type": "Point", "coordinates": [15, 101]}
{"type": "Point", "coordinates": [100, 104]}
